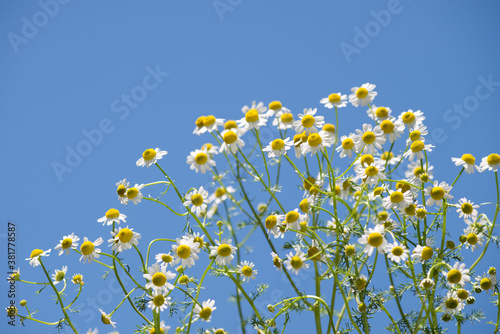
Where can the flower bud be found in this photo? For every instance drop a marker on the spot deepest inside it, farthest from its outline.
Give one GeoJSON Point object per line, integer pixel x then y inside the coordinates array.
{"type": "Point", "coordinates": [22, 303]}
{"type": "Point", "coordinates": [450, 244]}
{"type": "Point", "coordinates": [492, 271]}
{"type": "Point", "coordinates": [270, 308]}
{"type": "Point", "coordinates": [361, 307]}
{"type": "Point", "coordinates": [470, 300]}
{"type": "Point", "coordinates": [219, 224]}
{"type": "Point", "coordinates": [446, 317]}
{"type": "Point", "coordinates": [462, 239]}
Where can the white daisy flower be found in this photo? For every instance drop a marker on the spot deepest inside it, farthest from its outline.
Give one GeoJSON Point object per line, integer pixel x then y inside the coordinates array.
{"type": "Point", "coordinates": [200, 161]}
{"type": "Point", "coordinates": [112, 215]}
{"type": "Point", "coordinates": [328, 130]}
{"type": "Point", "coordinates": [159, 300]}
{"type": "Point", "coordinates": [414, 171]}
{"type": "Point", "coordinates": [379, 113]}
{"type": "Point", "coordinates": [369, 139]}
{"type": "Point", "coordinates": [467, 209]}
{"type": "Point", "coordinates": [210, 149]}
{"type": "Point", "coordinates": [246, 269]}
{"type": "Point", "coordinates": [437, 192]}
{"type": "Point", "coordinates": [158, 278]}
{"type": "Point", "coordinates": [417, 133]}
{"type": "Point", "coordinates": [274, 226]}
{"type": "Point", "coordinates": [362, 96]}
{"type": "Point", "coordinates": [347, 146]}
{"type": "Point", "coordinates": [391, 130]}
{"type": "Point", "coordinates": [284, 121]}
{"type": "Point", "coordinates": [397, 199]}
{"type": "Point", "coordinates": [308, 122]}
{"type": "Point", "coordinates": [397, 252]}
{"type": "Point", "coordinates": [67, 243]}
{"type": "Point", "coordinates": [292, 219]}
{"type": "Point", "coordinates": [185, 251]}
{"type": "Point", "coordinates": [409, 119]}
{"type": "Point", "coordinates": [204, 312]}
{"type": "Point", "coordinates": [164, 259]}
{"type": "Point", "coordinates": [371, 174]}
{"type": "Point", "coordinates": [316, 142]}
{"type": "Point", "coordinates": [466, 161]}
{"type": "Point", "coordinates": [390, 158]}
{"type": "Point", "coordinates": [457, 275]}
{"type": "Point", "coordinates": [134, 193]}
{"type": "Point", "coordinates": [382, 217]}
{"type": "Point", "coordinates": [314, 252]}
{"type": "Point", "coordinates": [260, 107]}
{"type": "Point", "coordinates": [210, 124]}
{"type": "Point", "coordinates": [277, 262]}
{"type": "Point", "coordinates": [231, 125]}
{"type": "Point", "coordinates": [88, 250]}
{"type": "Point", "coordinates": [452, 304]}
{"type": "Point", "coordinates": [121, 190]}
{"type": "Point", "coordinates": [232, 141]}
{"type": "Point", "coordinates": [106, 319]}
{"type": "Point", "coordinates": [479, 225]}
{"type": "Point", "coordinates": [59, 275]}
{"type": "Point", "coordinates": [298, 139]}
{"type": "Point", "coordinates": [473, 240]}
{"type": "Point", "coordinates": [423, 253]}
{"type": "Point", "coordinates": [276, 109]}
{"type": "Point", "coordinates": [491, 162]}
{"type": "Point", "coordinates": [296, 262]}
{"type": "Point", "coordinates": [123, 239]}
{"type": "Point", "coordinates": [417, 149]}
{"type": "Point", "coordinates": [334, 100]}
{"type": "Point", "coordinates": [223, 251]}
{"type": "Point", "coordinates": [221, 194]}
{"type": "Point", "coordinates": [486, 281]}
{"type": "Point", "coordinates": [374, 238]}
{"type": "Point", "coordinates": [198, 198]}
{"type": "Point", "coordinates": [278, 147]}
{"type": "Point", "coordinates": [199, 125]}
{"type": "Point", "coordinates": [150, 156]}
{"type": "Point", "coordinates": [252, 120]}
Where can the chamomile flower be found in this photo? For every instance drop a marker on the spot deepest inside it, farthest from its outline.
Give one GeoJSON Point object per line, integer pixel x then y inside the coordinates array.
{"type": "Point", "coordinates": [260, 107]}
{"type": "Point", "coordinates": [314, 252]}
{"type": "Point", "coordinates": [486, 281]}
{"type": "Point", "coordinates": [417, 149]}
{"type": "Point", "coordinates": [185, 251]}
{"type": "Point", "coordinates": [121, 190]}
{"type": "Point", "coordinates": [467, 162]}
{"type": "Point", "coordinates": [112, 215]}
{"type": "Point", "coordinates": [379, 113]}
{"type": "Point", "coordinates": [158, 278]}
{"type": "Point", "coordinates": [347, 146]}
{"type": "Point", "coordinates": [274, 226]}
{"type": "Point", "coordinates": [204, 312]}
{"type": "Point", "coordinates": [67, 243]}
{"type": "Point", "coordinates": [328, 130]}
{"type": "Point", "coordinates": [277, 262]}
{"type": "Point", "coordinates": [210, 149]}
{"type": "Point", "coordinates": [437, 192]}
{"type": "Point", "coordinates": [390, 158]}
{"type": "Point", "coordinates": [199, 125]}
{"type": "Point", "coordinates": [198, 199]}
{"type": "Point", "coordinates": [334, 100]}
{"type": "Point", "coordinates": [298, 139]}
{"type": "Point", "coordinates": [388, 128]}
{"type": "Point", "coordinates": [200, 160]}
{"type": "Point", "coordinates": [134, 193]}
{"type": "Point", "coordinates": [397, 199]}
{"type": "Point", "coordinates": [59, 275]}
{"type": "Point", "coordinates": [232, 141]}
{"type": "Point", "coordinates": [77, 279]}
{"type": "Point", "coordinates": [221, 194]}
{"type": "Point", "coordinates": [467, 209]}
{"type": "Point", "coordinates": [308, 122]}
{"type": "Point", "coordinates": [397, 252]}
{"type": "Point", "coordinates": [164, 260]}
{"type": "Point", "coordinates": [417, 133]}
{"type": "Point", "coordinates": [374, 238]}
{"type": "Point", "coordinates": [34, 258]}
{"type": "Point", "coordinates": [246, 269]}
{"type": "Point", "coordinates": [478, 225]}
{"type": "Point", "coordinates": [423, 253]}
{"type": "Point", "coordinates": [452, 304]}
{"type": "Point", "coordinates": [362, 96]}
{"type": "Point", "coordinates": [409, 119]}
{"type": "Point", "coordinates": [278, 147]}
{"type": "Point", "coordinates": [474, 239]}
{"type": "Point", "coordinates": [457, 275]}
{"type": "Point", "coordinates": [316, 142]}
{"type": "Point", "coordinates": [210, 124]}
{"type": "Point", "coordinates": [123, 239]}
{"type": "Point", "coordinates": [89, 252]}
{"type": "Point", "coordinates": [223, 251]}
{"type": "Point", "coordinates": [292, 219]}
{"type": "Point", "coordinates": [491, 162]}
{"type": "Point", "coordinates": [252, 120]}
{"type": "Point", "coordinates": [276, 109]}
{"type": "Point", "coordinates": [414, 172]}
{"type": "Point", "coordinates": [371, 174]}
{"type": "Point", "coordinates": [150, 157]}
{"type": "Point", "coordinates": [283, 122]}
{"type": "Point", "coordinates": [369, 139]}
{"type": "Point", "coordinates": [296, 262]}
{"type": "Point", "coordinates": [106, 319]}
{"type": "Point", "coordinates": [159, 300]}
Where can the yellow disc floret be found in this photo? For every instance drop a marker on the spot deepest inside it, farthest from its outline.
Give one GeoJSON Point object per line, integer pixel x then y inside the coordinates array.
{"type": "Point", "coordinates": [149, 154]}
{"type": "Point", "coordinates": [334, 98]}
{"type": "Point", "coordinates": [230, 137]}
{"type": "Point", "coordinates": [361, 93]}
{"type": "Point", "coordinates": [375, 239]}
{"type": "Point", "coordinates": [252, 116]}
{"type": "Point", "coordinates": [125, 235]}
{"type": "Point", "coordinates": [87, 248]}
{"type": "Point", "coordinates": [201, 158]}
{"type": "Point", "coordinates": [277, 144]}
{"type": "Point", "coordinates": [224, 250]}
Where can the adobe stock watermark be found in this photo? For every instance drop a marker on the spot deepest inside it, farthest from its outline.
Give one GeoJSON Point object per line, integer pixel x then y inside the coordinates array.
{"type": "Point", "coordinates": [364, 36]}
{"type": "Point", "coordinates": [121, 107]}
{"type": "Point", "coordinates": [223, 6]}
{"type": "Point", "coordinates": [32, 25]}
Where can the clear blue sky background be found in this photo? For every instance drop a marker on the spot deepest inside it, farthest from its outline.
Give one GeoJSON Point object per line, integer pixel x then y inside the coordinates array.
{"type": "Point", "coordinates": [69, 75]}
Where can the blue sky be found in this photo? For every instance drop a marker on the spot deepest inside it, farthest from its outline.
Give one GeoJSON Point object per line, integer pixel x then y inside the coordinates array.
{"type": "Point", "coordinates": [141, 73]}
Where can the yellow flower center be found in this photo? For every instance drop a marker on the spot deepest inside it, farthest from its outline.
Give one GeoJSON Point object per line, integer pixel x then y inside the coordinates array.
{"type": "Point", "coordinates": [398, 251]}
{"type": "Point", "coordinates": [314, 140]}
{"type": "Point", "coordinates": [36, 252]}
{"type": "Point", "coordinates": [291, 217]}
{"type": "Point", "coordinates": [199, 121]}
{"type": "Point", "coordinates": [201, 158]}
{"type": "Point", "coordinates": [296, 262]}
{"type": "Point", "coordinates": [183, 251]}
{"type": "Point", "coordinates": [417, 146]}
{"type": "Point", "coordinates": [149, 154]}
{"type": "Point", "coordinates": [230, 125]}
{"type": "Point", "coordinates": [275, 105]}
{"type": "Point", "coordinates": [277, 262]}
{"type": "Point", "coordinates": [387, 126]}
{"type": "Point", "coordinates": [366, 159]}
{"type": "Point", "coordinates": [375, 239]}
{"type": "Point", "coordinates": [112, 213]}
{"type": "Point", "coordinates": [121, 190]}
{"type": "Point", "coordinates": [132, 193]}
{"type": "Point", "coordinates": [184, 279]}
{"type": "Point", "coordinates": [381, 112]}
{"type": "Point", "coordinates": [286, 117]}
{"type": "Point", "coordinates": [387, 156]}
{"type": "Point", "coordinates": [454, 276]}
{"type": "Point", "coordinates": [397, 197]}
{"type": "Point", "coordinates": [277, 144]}
{"type": "Point", "coordinates": [485, 283]}
{"type": "Point", "coordinates": [421, 213]}
{"type": "Point", "coordinates": [230, 137]}
{"type": "Point", "coordinates": [415, 135]}
{"type": "Point", "coordinates": [437, 193]}
{"type": "Point", "coordinates": [347, 144]}
{"type": "Point", "coordinates": [329, 128]}
{"type": "Point", "coordinates": [350, 250]}
{"type": "Point", "coordinates": [159, 279]}
{"type": "Point", "coordinates": [252, 116]}
{"type": "Point", "coordinates": [159, 300]}
{"type": "Point", "coordinates": [313, 253]}
{"type": "Point", "coordinates": [224, 250]}
{"type": "Point", "coordinates": [360, 283]}
{"type": "Point", "coordinates": [469, 158]}
{"type": "Point", "coordinates": [427, 253]}
{"type": "Point", "coordinates": [209, 120]}
{"type": "Point", "coordinates": [368, 137]}
{"type": "Point", "coordinates": [337, 190]}
{"type": "Point", "coordinates": [166, 258]}
{"type": "Point", "coordinates": [371, 171]}
{"type": "Point", "coordinates": [247, 271]}
{"type": "Point", "coordinates": [304, 205]}
{"type": "Point", "coordinates": [307, 184]}
{"type": "Point", "coordinates": [199, 240]}
{"type": "Point", "coordinates": [125, 235]}
{"type": "Point", "coordinates": [105, 319]}
{"type": "Point", "coordinates": [66, 243]}
{"type": "Point", "coordinates": [219, 192]}
{"type": "Point", "coordinates": [451, 303]}
{"type": "Point", "coordinates": [403, 186]}
{"type": "Point", "coordinates": [467, 208]}
{"type": "Point", "coordinates": [462, 294]}
{"type": "Point", "coordinates": [197, 200]}
{"type": "Point", "coordinates": [271, 221]}
{"type": "Point", "coordinates": [417, 171]}
{"type": "Point", "coordinates": [472, 238]}
{"type": "Point", "coordinates": [361, 92]}
{"type": "Point", "coordinates": [205, 313]}
{"type": "Point", "coordinates": [87, 248]}
{"type": "Point", "coordinates": [220, 331]}
{"type": "Point", "coordinates": [408, 117]}
{"type": "Point", "coordinates": [207, 147]}
{"type": "Point", "coordinates": [77, 279]}
{"type": "Point", "coordinates": [383, 215]}
{"type": "Point", "coordinates": [308, 121]}
{"type": "Point", "coordinates": [493, 159]}
{"type": "Point", "coordinates": [334, 98]}
{"type": "Point", "coordinates": [411, 209]}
